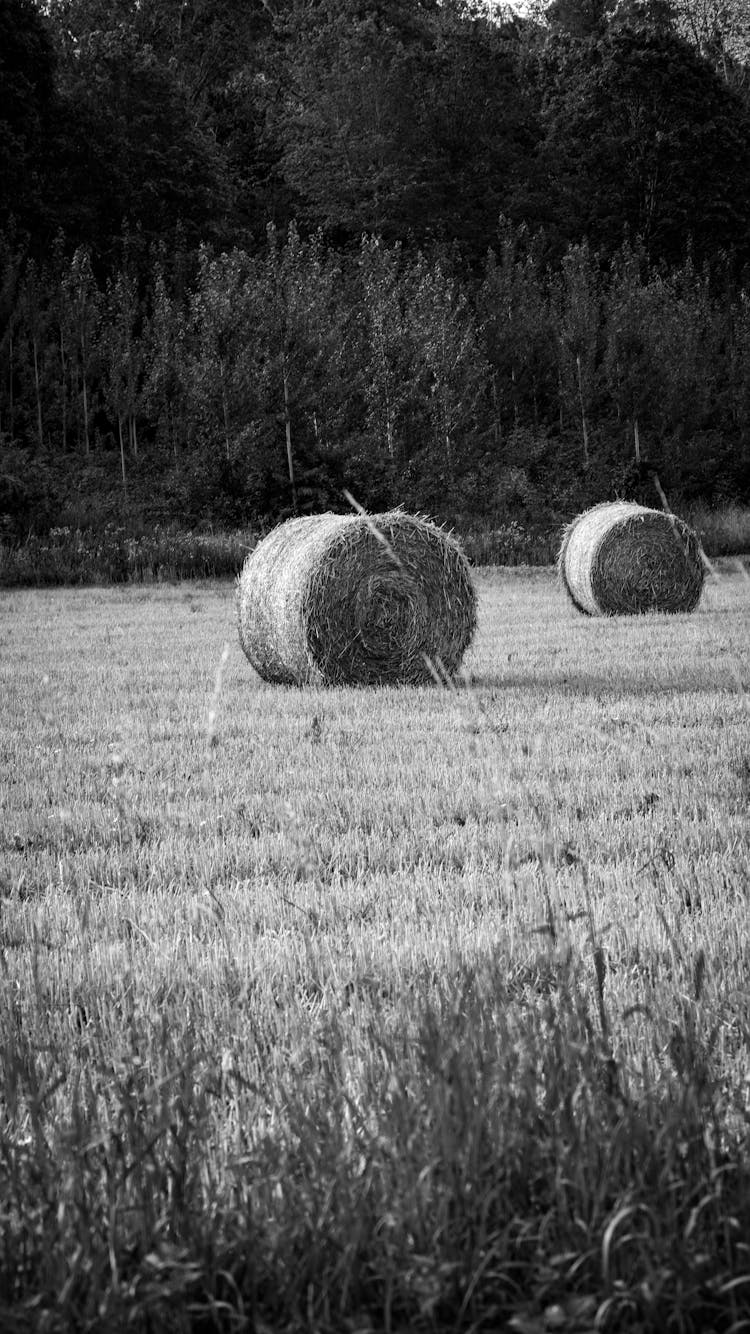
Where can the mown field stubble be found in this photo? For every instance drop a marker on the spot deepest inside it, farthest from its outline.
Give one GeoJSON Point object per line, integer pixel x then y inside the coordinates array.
{"type": "Point", "coordinates": [393, 1009]}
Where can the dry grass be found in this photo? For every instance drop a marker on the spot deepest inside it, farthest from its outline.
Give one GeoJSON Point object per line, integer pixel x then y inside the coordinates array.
{"type": "Point", "coordinates": [335, 599]}
{"type": "Point", "coordinates": [432, 1002]}
{"type": "Point", "coordinates": [622, 558]}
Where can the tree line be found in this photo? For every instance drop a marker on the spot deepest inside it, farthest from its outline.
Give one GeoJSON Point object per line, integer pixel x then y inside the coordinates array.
{"type": "Point", "coordinates": [254, 251]}
{"type": "Point", "coordinates": [274, 379]}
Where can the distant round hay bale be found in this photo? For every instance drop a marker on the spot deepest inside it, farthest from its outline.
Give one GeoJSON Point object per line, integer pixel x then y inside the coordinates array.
{"type": "Point", "coordinates": [622, 558]}
{"type": "Point", "coordinates": [356, 600]}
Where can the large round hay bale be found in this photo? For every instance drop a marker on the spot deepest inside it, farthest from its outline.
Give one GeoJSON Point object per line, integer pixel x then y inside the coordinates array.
{"type": "Point", "coordinates": [622, 558]}
{"type": "Point", "coordinates": [356, 600]}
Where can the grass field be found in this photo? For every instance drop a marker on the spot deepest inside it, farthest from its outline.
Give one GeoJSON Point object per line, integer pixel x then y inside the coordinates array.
{"type": "Point", "coordinates": [395, 1009]}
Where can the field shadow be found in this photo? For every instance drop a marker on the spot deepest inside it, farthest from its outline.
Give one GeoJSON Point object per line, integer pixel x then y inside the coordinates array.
{"type": "Point", "coordinates": [597, 683]}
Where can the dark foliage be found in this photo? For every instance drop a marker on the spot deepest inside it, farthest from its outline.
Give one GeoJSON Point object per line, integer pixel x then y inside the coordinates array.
{"type": "Point", "coordinates": [645, 136]}
{"type": "Point", "coordinates": [254, 253]}
{"type": "Point", "coordinates": [27, 83]}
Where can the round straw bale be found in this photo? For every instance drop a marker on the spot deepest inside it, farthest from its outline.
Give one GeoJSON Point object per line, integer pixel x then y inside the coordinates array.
{"type": "Point", "coordinates": [356, 600]}
{"type": "Point", "coordinates": [622, 558]}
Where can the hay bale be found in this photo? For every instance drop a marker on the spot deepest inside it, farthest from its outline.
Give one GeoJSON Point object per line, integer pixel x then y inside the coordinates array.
{"type": "Point", "coordinates": [622, 558]}
{"type": "Point", "coordinates": [355, 600]}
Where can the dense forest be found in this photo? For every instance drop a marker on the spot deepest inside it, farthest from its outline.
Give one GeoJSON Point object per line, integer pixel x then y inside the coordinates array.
{"type": "Point", "coordinates": [494, 266]}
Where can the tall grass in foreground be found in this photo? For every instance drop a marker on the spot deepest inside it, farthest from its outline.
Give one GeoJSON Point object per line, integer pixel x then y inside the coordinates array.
{"type": "Point", "coordinates": [399, 1010]}
{"type": "Point", "coordinates": [480, 1158]}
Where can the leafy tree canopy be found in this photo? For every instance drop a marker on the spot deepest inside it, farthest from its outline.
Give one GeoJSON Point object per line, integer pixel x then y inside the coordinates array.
{"type": "Point", "coordinates": [27, 71]}
{"type": "Point", "coordinates": [401, 119]}
{"type": "Point", "coordinates": [646, 137]}
{"type": "Point", "coordinates": [130, 148]}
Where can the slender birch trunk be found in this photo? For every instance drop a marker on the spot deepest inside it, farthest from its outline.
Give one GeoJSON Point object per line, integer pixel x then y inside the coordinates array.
{"type": "Point", "coordinates": [497, 427]}
{"type": "Point", "coordinates": [40, 423]}
{"type": "Point", "coordinates": [64, 393]}
{"type": "Point", "coordinates": [171, 429]}
{"type": "Point", "coordinates": [11, 410]}
{"type": "Point", "coordinates": [85, 409]}
{"type": "Point", "coordinates": [224, 408]}
{"type": "Point", "coordinates": [388, 422]}
{"type": "Point", "coordinates": [288, 431]}
{"type": "Point", "coordinates": [584, 426]}
{"type": "Point", "coordinates": [122, 455]}
{"type": "Point", "coordinates": [389, 432]}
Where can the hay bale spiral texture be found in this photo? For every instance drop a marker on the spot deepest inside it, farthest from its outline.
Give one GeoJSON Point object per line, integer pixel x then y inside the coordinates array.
{"type": "Point", "coordinates": [336, 599]}
{"type": "Point", "coordinates": [621, 558]}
